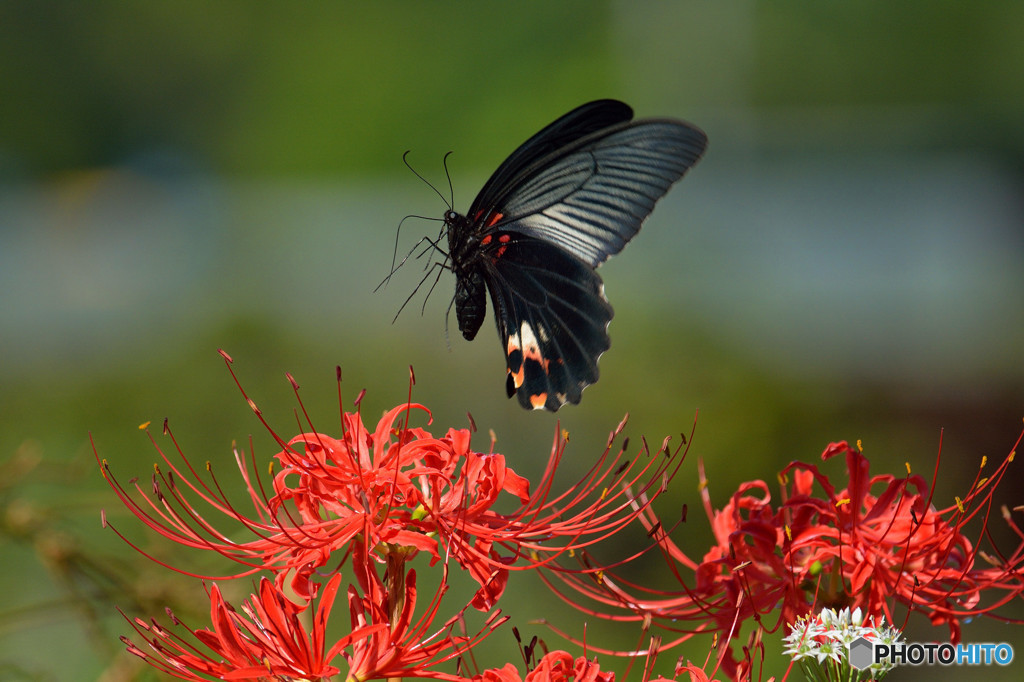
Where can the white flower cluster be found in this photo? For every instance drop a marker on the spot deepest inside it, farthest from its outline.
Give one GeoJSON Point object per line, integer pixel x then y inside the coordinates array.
{"type": "Point", "coordinates": [821, 644]}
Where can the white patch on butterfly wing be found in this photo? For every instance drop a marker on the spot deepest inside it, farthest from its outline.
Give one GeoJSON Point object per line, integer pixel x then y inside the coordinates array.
{"type": "Point", "coordinates": [528, 341]}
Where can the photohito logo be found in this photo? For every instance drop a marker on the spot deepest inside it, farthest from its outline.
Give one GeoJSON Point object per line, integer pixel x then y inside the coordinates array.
{"type": "Point", "coordinates": [864, 653]}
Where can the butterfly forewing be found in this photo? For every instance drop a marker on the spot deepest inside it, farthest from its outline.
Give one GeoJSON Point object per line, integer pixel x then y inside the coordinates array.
{"type": "Point", "coordinates": [580, 122]}
{"type": "Point", "coordinates": [565, 201]}
{"type": "Point", "coordinates": [592, 198]}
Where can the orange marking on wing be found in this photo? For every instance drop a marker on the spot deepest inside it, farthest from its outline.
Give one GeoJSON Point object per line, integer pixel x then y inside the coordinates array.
{"type": "Point", "coordinates": [499, 252]}
{"type": "Point", "coordinates": [505, 238]}
{"type": "Point", "coordinates": [494, 219]}
{"type": "Point", "coordinates": [485, 241]}
{"type": "Point", "coordinates": [538, 400]}
{"type": "Point", "coordinates": [517, 377]}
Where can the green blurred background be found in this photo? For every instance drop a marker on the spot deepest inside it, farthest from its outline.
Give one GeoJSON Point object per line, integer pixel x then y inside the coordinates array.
{"type": "Point", "coordinates": [845, 263]}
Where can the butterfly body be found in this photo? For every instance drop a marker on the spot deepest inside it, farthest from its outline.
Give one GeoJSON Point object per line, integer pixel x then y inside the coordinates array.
{"type": "Point", "coordinates": [565, 201]}
{"type": "Point", "coordinates": [470, 286]}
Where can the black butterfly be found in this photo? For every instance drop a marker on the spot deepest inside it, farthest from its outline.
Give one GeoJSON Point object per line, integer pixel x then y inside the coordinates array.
{"type": "Point", "coordinates": [565, 201]}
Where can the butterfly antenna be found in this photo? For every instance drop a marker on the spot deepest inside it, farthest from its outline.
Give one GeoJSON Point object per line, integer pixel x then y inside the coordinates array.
{"type": "Point", "coordinates": [394, 253]}
{"type": "Point", "coordinates": [425, 181]}
{"type": "Point", "coordinates": [432, 245]}
{"type": "Point", "coordinates": [451, 190]}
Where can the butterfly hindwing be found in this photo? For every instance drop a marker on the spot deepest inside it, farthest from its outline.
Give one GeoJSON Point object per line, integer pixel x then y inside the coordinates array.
{"type": "Point", "coordinates": [552, 318]}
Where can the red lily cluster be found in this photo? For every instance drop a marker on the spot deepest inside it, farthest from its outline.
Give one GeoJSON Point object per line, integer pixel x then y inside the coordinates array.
{"type": "Point", "coordinates": [347, 512]}
{"type": "Point", "coordinates": [878, 543]}
{"type": "Point", "coordinates": [362, 504]}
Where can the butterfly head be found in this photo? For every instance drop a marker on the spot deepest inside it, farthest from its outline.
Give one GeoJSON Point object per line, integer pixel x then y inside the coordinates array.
{"type": "Point", "coordinates": [455, 222]}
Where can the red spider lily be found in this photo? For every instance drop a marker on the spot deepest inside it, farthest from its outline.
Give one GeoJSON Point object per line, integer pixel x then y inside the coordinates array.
{"type": "Point", "coordinates": [894, 546]}
{"type": "Point", "coordinates": [693, 674]}
{"type": "Point", "coordinates": [267, 640]}
{"type": "Point", "coordinates": [560, 666]}
{"type": "Point", "coordinates": [877, 543]}
{"type": "Point", "coordinates": [555, 666]}
{"type": "Point", "coordinates": [397, 486]}
{"type": "Point", "coordinates": [405, 647]}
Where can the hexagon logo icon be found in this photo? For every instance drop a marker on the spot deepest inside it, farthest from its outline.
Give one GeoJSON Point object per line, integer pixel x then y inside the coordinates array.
{"type": "Point", "coordinates": [861, 654]}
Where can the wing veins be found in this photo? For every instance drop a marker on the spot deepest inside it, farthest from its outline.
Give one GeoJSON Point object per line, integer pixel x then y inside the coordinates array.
{"type": "Point", "coordinates": [540, 308]}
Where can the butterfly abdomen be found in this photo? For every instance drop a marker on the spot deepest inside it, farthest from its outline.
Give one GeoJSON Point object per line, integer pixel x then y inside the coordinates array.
{"type": "Point", "coordinates": [470, 302]}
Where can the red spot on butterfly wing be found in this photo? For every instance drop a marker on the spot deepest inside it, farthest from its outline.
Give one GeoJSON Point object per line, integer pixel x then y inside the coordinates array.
{"type": "Point", "coordinates": [504, 239]}
{"type": "Point", "coordinates": [491, 219]}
